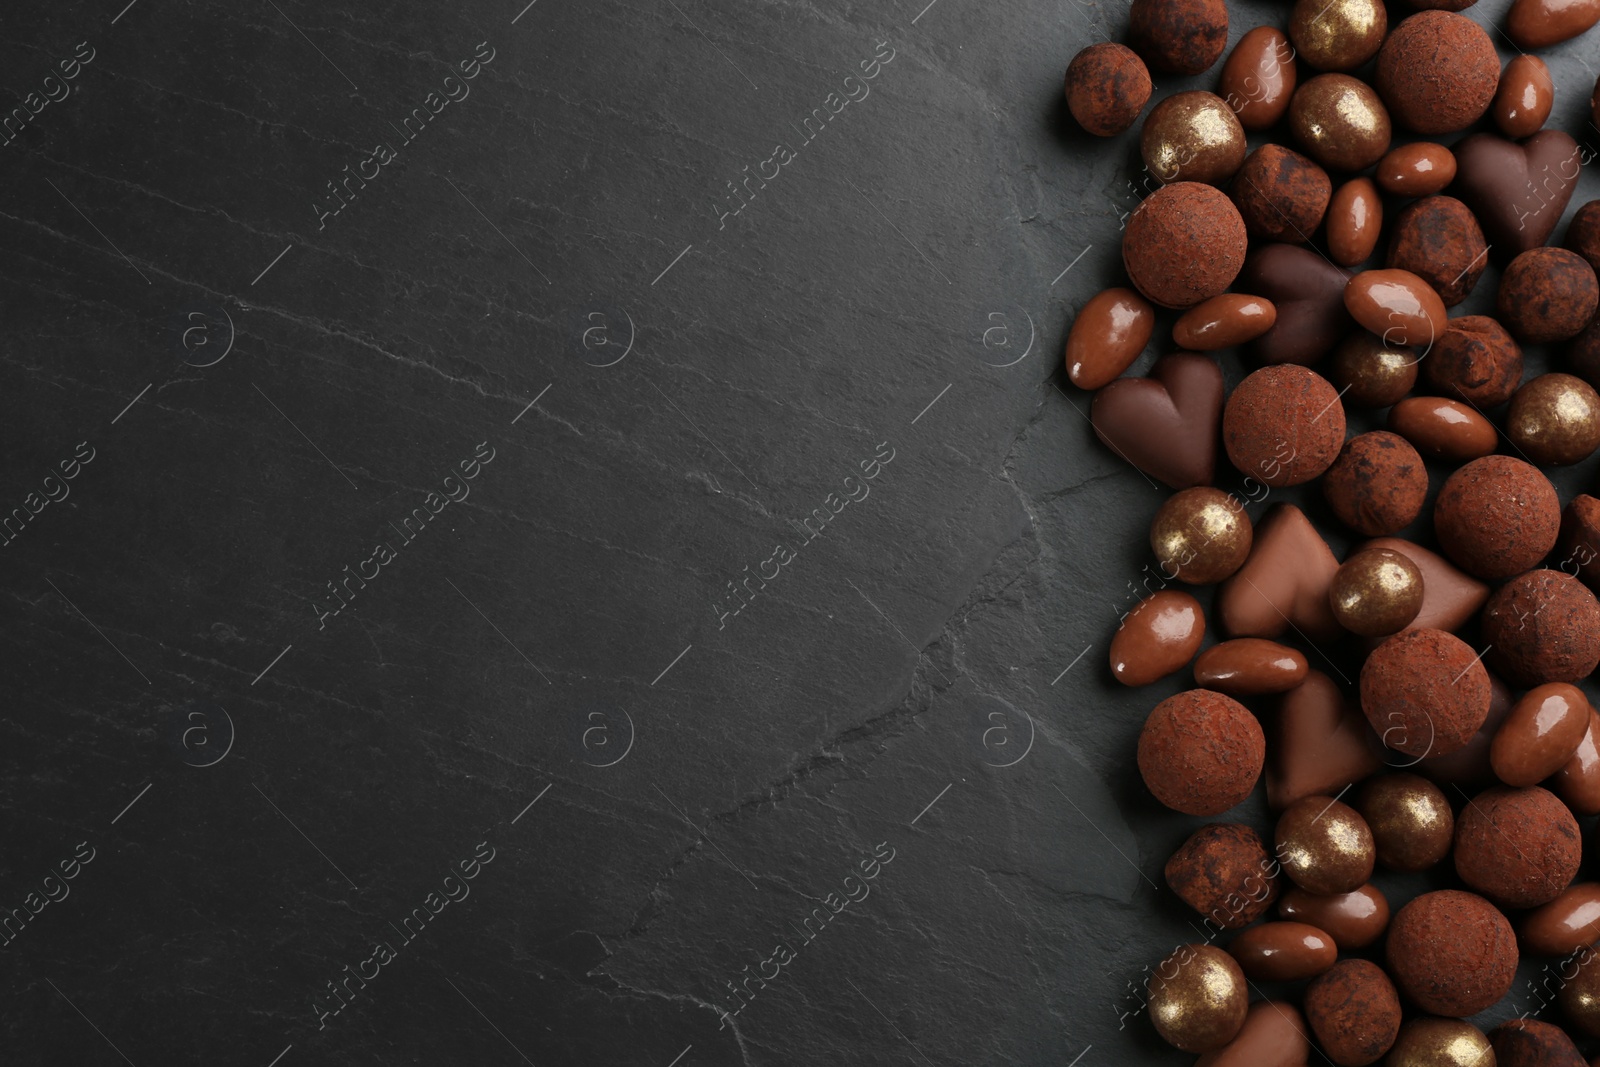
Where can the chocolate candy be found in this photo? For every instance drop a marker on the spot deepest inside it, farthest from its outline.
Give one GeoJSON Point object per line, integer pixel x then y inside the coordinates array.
{"type": "Point", "coordinates": [1518, 847]}
{"type": "Point", "coordinates": [1281, 194]}
{"type": "Point", "coordinates": [1425, 692]}
{"type": "Point", "coordinates": [1376, 592]}
{"type": "Point", "coordinates": [1376, 487]}
{"type": "Point", "coordinates": [1541, 734]}
{"type": "Point", "coordinates": [1308, 292]}
{"type": "Point", "coordinates": [1283, 583]}
{"type": "Point", "coordinates": [1566, 924]}
{"type": "Point", "coordinates": [1198, 998]}
{"type": "Point", "coordinates": [1541, 23]}
{"type": "Point", "coordinates": [1354, 1011]}
{"type": "Point", "coordinates": [1527, 1042]}
{"type": "Point", "coordinates": [1583, 353]}
{"type": "Point", "coordinates": [1273, 1035]}
{"type": "Point", "coordinates": [1201, 535]}
{"type": "Point", "coordinates": [1439, 240]}
{"type": "Point", "coordinates": [1355, 218]}
{"type": "Point", "coordinates": [1184, 243]}
{"type": "Point", "coordinates": [1250, 666]}
{"type": "Point", "coordinates": [1580, 998]}
{"type": "Point", "coordinates": [1354, 920]}
{"type": "Point", "coordinates": [1411, 821]}
{"type": "Point", "coordinates": [1517, 191]}
{"type": "Point", "coordinates": [1107, 335]}
{"type": "Point", "coordinates": [1225, 873]}
{"type": "Point", "coordinates": [1397, 305]}
{"type": "Point", "coordinates": [1166, 424]}
{"type": "Point", "coordinates": [1525, 97]}
{"type": "Point", "coordinates": [1370, 373]}
{"type": "Point", "coordinates": [1283, 425]}
{"type": "Point", "coordinates": [1544, 626]}
{"type": "Point", "coordinates": [1438, 72]}
{"type": "Point", "coordinates": [1337, 34]}
{"type": "Point", "coordinates": [1178, 36]}
{"type": "Point", "coordinates": [1321, 744]}
{"type": "Point", "coordinates": [1578, 544]}
{"type": "Point", "coordinates": [1417, 169]}
{"type": "Point", "coordinates": [1107, 85]}
{"type": "Point", "coordinates": [1159, 636]}
{"type": "Point", "coordinates": [1475, 360]}
{"type": "Point", "coordinates": [1223, 322]}
{"type": "Point", "coordinates": [1547, 294]}
{"type": "Point", "coordinates": [1283, 952]}
{"type": "Point", "coordinates": [1578, 782]}
{"type": "Point", "coordinates": [1452, 953]}
{"type": "Point", "coordinates": [1341, 122]}
{"type": "Point", "coordinates": [1449, 596]}
{"type": "Point", "coordinates": [1428, 1042]}
{"type": "Point", "coordinates": [1324, 846]}
{"type": "Point", "coordinates": [1259, 78]}
{"type": "Point", "coordinates": [1497, 517]}
{"type": "Point", "coordinates": [1201, 752]}
{"type": "Point", "coordinates": [1192, 137]}
{"type": "Point", "coordinates": [1443, 429]}
{"type": "Point", "coordinates": [1583, 233]}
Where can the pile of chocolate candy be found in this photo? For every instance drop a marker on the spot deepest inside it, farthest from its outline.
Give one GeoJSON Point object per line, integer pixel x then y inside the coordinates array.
{"type": "Point", "coordinates": [1472, 762]}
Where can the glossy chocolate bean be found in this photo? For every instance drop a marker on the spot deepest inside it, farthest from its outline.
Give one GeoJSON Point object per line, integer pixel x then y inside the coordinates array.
{"type": "Point", "coordinates": [1443, 429]}
{"type": "Point", "coordinates": [1541, 734]}
{"type": "Point", "coordinates": [1541, 23]}
{"type": "Point", "coordinates": [1340, 121]}
{"type": "Point", "coordinates": [1250, 666]}
{"type": "Point", "coordinates": [1523, 102]}
{"type": "Point", "coordinates": [1578, 783]}
{"type": "Point", "coordinates": [1397, 306]}
{"type": "Point", "coordinates": [1224, 321]}
{"type": "Point", "coordinates": [1159, 636]}
{"type": "Point", "coordinates": [1259, 78]}
{"type": "Point", "coordinates": [1324, 846]}
{"type": "Point", "coordinates": [1418, 169]}
{"type": "Point", "coordinates": [1283, 952]}
{"type": "Point", "coordinates": [1566, 924]}
{"type": "Point", "coordinates": [1353, 221]}
{"type": "Point", "coordinates": [1107, 335]}
{"type": "Point", "coordinates": [1354, 920]}
{"type": "Point", "coordinates": [1411, 820]}
{"type": "Point", "coordinates": [1273, 1035]}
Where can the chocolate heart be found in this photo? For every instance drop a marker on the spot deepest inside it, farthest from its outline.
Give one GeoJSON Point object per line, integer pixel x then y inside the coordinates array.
{"type": "Point", "coordinates": [1450, 596]}
{"type": "Point", "coordinates": [1518, 191]}
{"type": "Point", "coordinates": [1323, 743]}
{"type": "Point", "coordinates": [1166, 424]}
{"type": "Point", "coordinates": [1308, 292]}
{"type": "Point", "coordinates": [1283, 583]}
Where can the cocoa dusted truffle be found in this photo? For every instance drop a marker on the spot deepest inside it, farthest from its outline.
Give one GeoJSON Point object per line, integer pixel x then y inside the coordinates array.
{"type": "Point", "coordinates": [1107, 86]}
{"type": "Point", "coordinates": [1475, 360]}
{"type": "Point", "coordinates": [1225, 873]}
{"type": "Point", "coordinates": [1439, 240]}
{"type": "Point", "coordinates": [1281, 194]}
{"type": "Point", "coordinates": [1496, 517]}
{"type": "Point", "coordinates": [1529, 1042]}
{"type": "Point", "coordinates": [1547, 294]}
{"type": "Point", "coordinates": [1452, 953]}
{"type": "Point", "coordinates": [1425, 692]}
{"type": "Point", "coordinates": [1518, 847]}
{"type": "Point", "coordinates": [1283, 425]}
{"type": "Point", "coordinates": [1578, 547]}
{"type": "Point", "coordinates": [1583, 233]}
{"type": "Point", "coordinates": [1542, 626]}
{"type": "Point", "coordinates": [1437, 72]}
{"type": "Point", "coordinates": [1183, 244]}
{"type": "Point", "coordinates": [1179, 36]}
{"type": "Point", "coordinates": [1354, 1011]}
{"type": "Point", "coordinates": [1377, 485]}
{"type": "Point", "coordinates": [1201, 752]}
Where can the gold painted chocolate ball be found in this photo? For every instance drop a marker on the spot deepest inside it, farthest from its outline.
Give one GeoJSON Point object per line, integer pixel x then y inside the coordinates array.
{"type": "Point", "coordinates": [1555, 419]}
{"type": "Point", "coordinates": [1201, 535]}
{"type": "Point", "coordinates": [1192, 137]}
{"type": "Point", "coordinates": [1579, 996]}
{"type": "Point", "coordinates": [1370, 373]}
{"type": "Point", "coordinates": [1325, 847]}
{"type": "Point", "coordinates": [1430, 1042]}
{"type": "Point", "coordinates": [1337, 34]}
{"type": "Point", "coordinates": [1340, 122]}
{"type": "Point", "coordinates": [1198, 998]}
{"type": "Point", "coordinates": [1376, 592]}
{"type": "Point", "coordinates": [1410, 818]}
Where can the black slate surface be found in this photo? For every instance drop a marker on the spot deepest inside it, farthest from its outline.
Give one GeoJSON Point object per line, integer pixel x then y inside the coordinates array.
{"type": "Point", "coordinates": [849, 386]}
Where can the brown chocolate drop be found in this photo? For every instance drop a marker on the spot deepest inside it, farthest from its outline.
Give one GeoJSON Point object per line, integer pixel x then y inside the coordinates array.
{"type": "Point", "coordinates": [1250, 666]}
{"type": "Point", "coordinates": [1283, 952]}
{"type": "Point", "coordinates": [1523, 101]}
{"type": "Point", "coordinates": [1325, 846]}
{"type": "Point", "coordinates": [1259, 78]}
{"type": "Point", "coordinates": [1273, 1035]}
{"type": "Point", "coordinates": [1566, 924]}
{"type": "Point", "coordinates": [1192, 137]}
{"type": "Point", "coordinates": [1411, 820]}
{"type": "Point", "coordinates": [1541, 734]}
{"type": "Point", "coordinates": [1354, 920]}
{"type": "Point", "coordinates": [1340, 121]}
{"type": "Point", "coordinates": [1370, 373]}
{"type": "Point", "coordinates": [1554, 420]}
{"type": "Point", "coordinates": [1578, 782]}
{"type": "Point", "coordinates": [1159, 636]}
{"type": "Point", "coordinates": [1106, 336]}
{"type": "Point", "coordinates": [1201, 535]}
{"type": "Point", "coordinates": [1431, 1042]}
{"type": "Point", "coordinates": [1376, 592]}
{"type": "Point", "coordinates": [1198, 998]}
{"type": "Point", "coordinates": [1354, 221]}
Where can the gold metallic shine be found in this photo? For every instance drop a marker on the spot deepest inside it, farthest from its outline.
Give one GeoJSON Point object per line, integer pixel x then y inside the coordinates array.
{"type": "Point", "coordinates": [1430, 1042]}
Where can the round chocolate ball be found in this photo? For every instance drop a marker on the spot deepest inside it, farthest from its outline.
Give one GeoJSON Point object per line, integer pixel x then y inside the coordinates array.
{"type": "Point", "coordinates": [1578, 545]}
{"type": "Point", "coordinates": [1283, 425]}
{"type": "Point", "coordinates": [1178, 36]}
{"type": "Point", "coordinates": [1579, 996]}
{"type": "Point", "coordinates": [1324, 846]}
{"type": "Point", "coordinates": [1337, 34]}
{"type": "Point", "coordinates": [1371, 373]}
{"type": "Point", "coordinates": [1198, 998]}
{"type": "Point", "coordinates": [1524, 1042]}
{"type": "Point", "coordinates": [1475, 360]}
{"type": "Point", "coordinates": [1281, 195]}
{"type": "Point", "coordinates": [1583, 234]}
{"type": "Point", "coordinates": [1425, 692]}
{"type": "Point", "coordinates": [1201, 535]}
{"type": "Point", "coordinates": [1225, 873]}
{"type": "Point", "coordinates": [1452, 953]}
{"type": "Point", "coordinates": [1438, 72]}
{"type": "Point", "coordinates": [1547, 294]}
{"type": "Point", "coordinates": [1201, 752]}
{"type": "Point", "coordinates": [1439, 240]}
{"type": "Point", "coordinates": [1107, 86]}
{"type": "Point", "coordinates": [1429, 1042]}
{"type": "Point", "coordinates": [1184, 243]}
{"type": "Point", "coordinates": [1192, 137]}
{"type": "Point", "coordinates": [1376, 592]}
{"type": "Point", "coordinates": [1377, 486]}
{"type": "Point", "coordinates": [1583, 353]}
{"type": "Point", "coordinates": [1496, 517]}
{"type": "Point", "coordinates": [1340, 122]}
{"type": "Point", "coordinates": [1410, 818]}
{"type": "Point", "coordinates": [1354, 1010]}
{"type": "Point", "coordinates": [1542, 626]}
{"type": "Point", "coordinates": [1555, 420]}
{"type": "Point", "coordinates": [1518, 847]}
